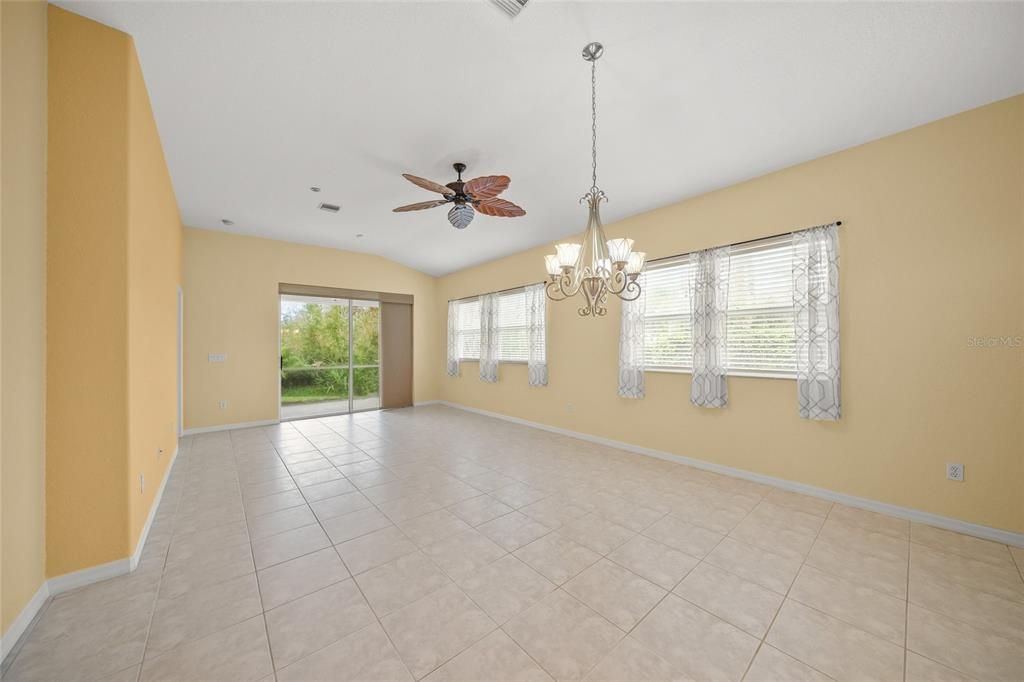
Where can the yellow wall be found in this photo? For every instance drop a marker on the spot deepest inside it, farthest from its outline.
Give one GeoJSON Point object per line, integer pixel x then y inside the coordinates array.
{"type": "Point", "coordinates": [231, 307]}
{"type": "Point", "coordinates": [111, 223]}
{"type": "Point", "coordinates": [154, 275]}
{"type": "Point", "coordinates": [23, 247]}
{"type": "Point", "coordinates": [932, 244]}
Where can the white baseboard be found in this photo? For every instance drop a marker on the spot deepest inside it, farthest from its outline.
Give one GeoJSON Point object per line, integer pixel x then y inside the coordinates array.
{"type": "Point", "coordinates": [957, 525]}
{"type": "Point", "coordinates": [427, 402]}
{"type": "Point", "coordinates": [53, 587]}
{"type": "Point", "coordinates": [10, 638]}
{"type": "Point", "coordinates": [134, 559]}
{"type": "Point", "coordinates": [228, 427]}
{"type": "Point", "coordinates": [88, 576]}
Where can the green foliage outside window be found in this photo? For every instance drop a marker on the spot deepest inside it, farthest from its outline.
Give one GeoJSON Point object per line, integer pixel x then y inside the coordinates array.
{"type": "Point", "coordinates": [314, 352]}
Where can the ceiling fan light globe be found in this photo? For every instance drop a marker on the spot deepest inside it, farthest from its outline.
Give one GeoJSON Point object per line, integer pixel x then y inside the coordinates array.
{"type": "Point", "coordinates": [460, 216]}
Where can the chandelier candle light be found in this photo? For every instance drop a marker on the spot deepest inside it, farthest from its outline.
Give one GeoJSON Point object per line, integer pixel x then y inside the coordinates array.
{"type": "Point", "coordinates": [598, 266]}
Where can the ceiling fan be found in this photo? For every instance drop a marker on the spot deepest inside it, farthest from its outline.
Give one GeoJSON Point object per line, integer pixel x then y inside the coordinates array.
{"type": "Point", "coordinates": [476, 195]}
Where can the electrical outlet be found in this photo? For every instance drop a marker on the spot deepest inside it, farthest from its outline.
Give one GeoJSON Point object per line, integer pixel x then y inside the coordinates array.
{"type": "Point", "coordinates": [569, 407]}
{"type": "Point", "coordinates": [223, 404]}
{"type": "Point", "coordinates": [142, 484]}
{"type": "Point", "coordinates": [955, 472]}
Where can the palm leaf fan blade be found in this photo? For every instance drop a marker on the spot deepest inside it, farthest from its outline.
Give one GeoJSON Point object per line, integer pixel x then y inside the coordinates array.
{"type": "Point", "coordinates": [487, 186]}
{"type": "Point", "coordinates": [428, 185]}
{"type": "Point", "coordinates": [499, 208]}
{"type": "Point", "coordinates": [420, 206]}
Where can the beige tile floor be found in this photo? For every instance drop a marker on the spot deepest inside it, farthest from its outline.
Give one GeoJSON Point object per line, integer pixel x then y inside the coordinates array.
{"type": "Point", "coordinates": [434, 544]}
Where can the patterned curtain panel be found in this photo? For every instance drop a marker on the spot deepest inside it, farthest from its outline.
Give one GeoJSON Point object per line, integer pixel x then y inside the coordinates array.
{"type": "Point", "coordinates": [709, 303]}
{"type": "Point", "coordinates": [490, 338]}
{"type": "Point", "coordinates": [453, 340]}
{"type": "Point", "coordinates": [816, 304]}
{"type": "Point", "coordinates": [631, 346]}
{"type": "Point", "coordinates": [536, 322]}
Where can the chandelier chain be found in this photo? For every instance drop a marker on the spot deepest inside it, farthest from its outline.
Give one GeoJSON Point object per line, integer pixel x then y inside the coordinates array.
{"type": "Point", "coordinates": [593, 123]}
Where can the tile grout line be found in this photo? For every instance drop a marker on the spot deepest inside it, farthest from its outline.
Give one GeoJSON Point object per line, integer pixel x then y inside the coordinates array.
{"type": "Point", "coordinates": [163, 565]}
{"type": "Point", "coordinates": [252, 554]}
{"type": "Point", "coordinates": [700, 560]}
{"type": "Point", "coordinates": [355, 582]}
{"type": "Point", "coordinates": [500, 627]}
{"type": "Point", "coordinates": [351, 575]}
{"type": "Point", "coordinates": [703, 560]}
{"type": "Point", "coordinates": [796, 576]}
{"type": "Point", "coordinates": [906, 606]}
{"type": "Point", "coordinates": [968, 586]}
{"type": "Point", "coordinates": [318, 523]}
{"type": "Point", "coordinates": [819, 610]}
{"type": "Point", "coordinates": [454, 582]}
{"type": "Point", "coordinates": [1019, 565]}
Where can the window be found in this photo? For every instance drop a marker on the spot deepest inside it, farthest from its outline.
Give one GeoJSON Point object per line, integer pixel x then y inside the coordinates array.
{"type": "Point", "coordinates": [761, 338]}
{"type": "Point", "coordinates": [760, 322]}
{"type": "Point", "coordinates": [513, 328]}
{"type": "Point", "coordinates": [668, 334]}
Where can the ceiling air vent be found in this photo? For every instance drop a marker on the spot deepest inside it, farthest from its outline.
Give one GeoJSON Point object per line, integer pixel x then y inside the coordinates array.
{"type": "Point", "coordinates": [511, 7]}
{"type": "Point", "coordinates": [330, 208]}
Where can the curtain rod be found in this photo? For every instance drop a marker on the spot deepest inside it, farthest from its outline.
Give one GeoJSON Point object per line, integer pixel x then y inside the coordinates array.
{"type": "Point", "coordinates": [655, 260]}
{"type": "Point", "coordinates": [499, 291]}
{"type": "Point", "coordinates": [747, 241]}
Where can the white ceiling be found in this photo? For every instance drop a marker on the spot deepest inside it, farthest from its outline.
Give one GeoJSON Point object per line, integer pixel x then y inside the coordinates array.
{"type": "Point", "coordinates": [256, 102]}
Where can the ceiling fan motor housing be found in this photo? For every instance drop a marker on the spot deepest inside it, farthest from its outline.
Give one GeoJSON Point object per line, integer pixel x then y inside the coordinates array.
{"type": "Point", "coordinates": [458, 185]}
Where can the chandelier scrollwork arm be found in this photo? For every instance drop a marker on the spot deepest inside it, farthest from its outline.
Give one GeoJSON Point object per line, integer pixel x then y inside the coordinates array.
{"type": "Point", "coordinates": [632, 290]}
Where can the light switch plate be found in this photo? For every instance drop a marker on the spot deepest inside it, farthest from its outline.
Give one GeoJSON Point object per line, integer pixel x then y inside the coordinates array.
{"type": "Point", "coordinates": [217, 357]}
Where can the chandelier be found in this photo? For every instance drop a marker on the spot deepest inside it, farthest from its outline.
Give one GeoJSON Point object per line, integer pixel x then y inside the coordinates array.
{"type": "Point", "coordinates": [597, 267]}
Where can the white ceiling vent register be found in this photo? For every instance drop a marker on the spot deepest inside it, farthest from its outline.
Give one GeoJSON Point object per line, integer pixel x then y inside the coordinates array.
{"type": "Point", "coordinates": [511, 7]}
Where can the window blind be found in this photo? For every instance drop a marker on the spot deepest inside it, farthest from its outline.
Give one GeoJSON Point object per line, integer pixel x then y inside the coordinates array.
{"type": "Point", "coordinates": [668, 334]}
{"type": "Point", "coordinates": [468, 329]}
{"type": "Point", "coordinates": [760, 321]}
{"type": "Point", "coordinates": [761, 337]}
{"type": "Point", "coordinates": [513, 328]}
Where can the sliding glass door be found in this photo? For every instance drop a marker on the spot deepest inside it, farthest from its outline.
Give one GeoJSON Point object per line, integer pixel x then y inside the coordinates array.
{"type": "Point", "coordinates": [329, 356]}
{"type": "Point", "coordinates": [365, 359]}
